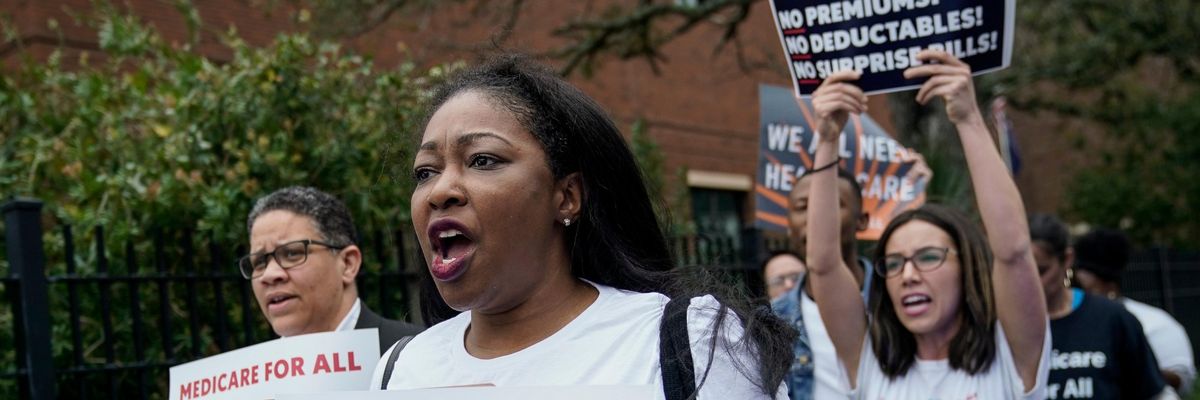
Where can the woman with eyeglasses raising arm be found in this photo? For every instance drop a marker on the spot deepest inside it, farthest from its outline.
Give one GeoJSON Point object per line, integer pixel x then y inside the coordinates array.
{"type": "Point", "coordinates": [957, 314]}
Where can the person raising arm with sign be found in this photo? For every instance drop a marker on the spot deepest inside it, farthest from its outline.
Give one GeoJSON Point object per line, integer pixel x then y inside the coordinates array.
{"type": "Point", "coordinates": [956, 314]}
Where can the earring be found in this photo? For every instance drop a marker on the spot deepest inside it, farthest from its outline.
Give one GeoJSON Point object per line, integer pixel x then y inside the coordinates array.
{"type": "Point", "coordinates": [1070, 276]}
{"type": "Point", "coordinates": [566, 222]}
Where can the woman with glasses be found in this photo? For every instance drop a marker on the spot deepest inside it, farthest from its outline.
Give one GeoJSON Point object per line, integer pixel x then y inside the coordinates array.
{"type": "Point", "coordinates": [957, 314]}
{"type": "Point", "coordinates": [303, 261]}
{"type": "Point", "coordinates": [782, 271]}
{"type": "Point", "coordinates": [539, 234]}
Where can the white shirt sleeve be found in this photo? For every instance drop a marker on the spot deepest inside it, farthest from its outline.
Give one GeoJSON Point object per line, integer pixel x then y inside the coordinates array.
{"type": "Point", "coordinates": [1004, 352]}
{"type": "Point", "coordinates": [734, 372]}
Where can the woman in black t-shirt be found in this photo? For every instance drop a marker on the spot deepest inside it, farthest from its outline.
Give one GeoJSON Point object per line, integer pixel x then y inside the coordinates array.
{"type": "Point", "coordinates": [1099, 350]}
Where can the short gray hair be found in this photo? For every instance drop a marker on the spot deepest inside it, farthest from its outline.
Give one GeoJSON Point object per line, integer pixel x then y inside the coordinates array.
{"type": "Point", "coordinates": [330, 215]}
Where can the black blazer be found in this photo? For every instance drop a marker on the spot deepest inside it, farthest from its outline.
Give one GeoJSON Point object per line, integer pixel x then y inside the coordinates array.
{"type": "Point", "coordinates": [390, 331]}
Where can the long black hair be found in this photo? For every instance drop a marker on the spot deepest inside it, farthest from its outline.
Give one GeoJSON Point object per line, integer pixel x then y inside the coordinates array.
{"type": "Point", "coordinates": [617, 241]}
{"type": "Point", "coordinates": [974, 347]}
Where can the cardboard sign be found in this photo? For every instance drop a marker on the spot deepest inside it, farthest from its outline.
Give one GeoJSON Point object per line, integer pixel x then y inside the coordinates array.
{"type": "Point", "coordinates": [319, 362]}
{"type": "Point", "coordinates": [641, 392]}
{"type": "Point", "coordinates": [882, 37]}
{"type": "Point", "coordinates": [880, 164]}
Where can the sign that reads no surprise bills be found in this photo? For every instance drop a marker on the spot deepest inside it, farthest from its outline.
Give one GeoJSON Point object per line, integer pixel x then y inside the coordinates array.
{"type": "Point", "coordinates": [319, 362]}
{"type": "Point", "coordinates": [881, 38]}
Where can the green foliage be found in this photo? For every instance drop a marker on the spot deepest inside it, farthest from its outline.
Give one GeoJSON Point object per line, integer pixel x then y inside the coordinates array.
{"type": "Point", "coordinates": [671, 199]}
{"type": "Point", "coordinates": [162, 136]}
{"type": "Point", "coordinates": [1133, 68]}
{"type": "Point", "coordinates": [153, 140]}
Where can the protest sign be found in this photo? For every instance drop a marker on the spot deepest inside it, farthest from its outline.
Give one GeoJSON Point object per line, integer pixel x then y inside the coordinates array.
{"type": "Point", "coordinates": [640, 392]}
{"type": "Point", "coordinates": [318, 362]}
{"type": "Point", "coordinates": [882, 37]}
{"type": "Point", "coordinates": [881, 165]}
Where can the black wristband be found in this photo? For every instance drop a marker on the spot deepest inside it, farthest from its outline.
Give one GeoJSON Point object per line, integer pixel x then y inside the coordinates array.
{"type": "Point", "coordinates": [826, 166]}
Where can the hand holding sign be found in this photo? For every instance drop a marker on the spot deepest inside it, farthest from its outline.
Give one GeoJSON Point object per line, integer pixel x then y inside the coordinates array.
{"type": "Point", "coordinates": [833, 102]}
{"type": "Point", "coordinates": [950, 79]}
{"type": "Point", "coordinates": [882, 38]}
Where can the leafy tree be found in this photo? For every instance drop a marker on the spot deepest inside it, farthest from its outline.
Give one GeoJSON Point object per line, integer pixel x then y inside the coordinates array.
{"type": "Point", "coordinates": [156, 134]}
{"type": "Point", "coordinates": [150, 139]}
{"type": "Point", "coordinates": [1133, 68]}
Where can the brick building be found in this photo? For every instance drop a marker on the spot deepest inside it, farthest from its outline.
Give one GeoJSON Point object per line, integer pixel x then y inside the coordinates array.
{"type": "Point", "coordinates": [701, 106]}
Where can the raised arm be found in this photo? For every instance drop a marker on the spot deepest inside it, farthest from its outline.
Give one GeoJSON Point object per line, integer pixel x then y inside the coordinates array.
{"type": "Point", "coordinates": [834, 287]}
{"type": "Point", "coordinates": [1020, 303]}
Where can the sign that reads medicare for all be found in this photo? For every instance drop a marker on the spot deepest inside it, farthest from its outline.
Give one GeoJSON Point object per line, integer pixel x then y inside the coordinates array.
{"type": "Point", "coordinates": [881, 38]}
{"type": "Point", "coordinates": [318, 362]}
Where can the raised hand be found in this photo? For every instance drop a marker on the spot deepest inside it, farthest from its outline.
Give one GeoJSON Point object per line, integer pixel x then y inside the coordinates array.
{"type": "Point", "coordinates": [950, 79]}
{"type": "Point", "coordinates": [833, 102]}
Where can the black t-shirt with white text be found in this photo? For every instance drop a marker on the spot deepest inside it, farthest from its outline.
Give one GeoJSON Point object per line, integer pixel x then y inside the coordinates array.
{"type": "Point", "coordinates": [1100, 352]}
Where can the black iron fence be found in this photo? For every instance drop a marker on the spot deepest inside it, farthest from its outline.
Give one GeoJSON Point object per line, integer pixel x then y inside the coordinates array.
{"type": "Point", "coordinates": [134, 309]}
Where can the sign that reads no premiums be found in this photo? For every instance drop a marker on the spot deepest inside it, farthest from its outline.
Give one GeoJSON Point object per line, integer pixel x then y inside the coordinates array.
{"type": "Point", "coordinates": [881, 38]}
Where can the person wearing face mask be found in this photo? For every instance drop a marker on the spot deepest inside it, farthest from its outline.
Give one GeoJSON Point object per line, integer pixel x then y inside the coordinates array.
{"type": "Point", "coordinates": [303, 262]}
{"type": "Point", "coordinates": [782, 270]}
{"type": "Point", "coordinates": [953, 314]}
{"type": "Point", "coordinates": [1098, 349]}
{"type": "Point", "coordinates": [539, 233]}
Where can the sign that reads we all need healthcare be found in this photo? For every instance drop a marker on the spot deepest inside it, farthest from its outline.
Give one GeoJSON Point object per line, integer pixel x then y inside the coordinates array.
{"type": "Point", "coordinates": [881, 38]}
{"type": "Point", "coordinates": [887, 172]}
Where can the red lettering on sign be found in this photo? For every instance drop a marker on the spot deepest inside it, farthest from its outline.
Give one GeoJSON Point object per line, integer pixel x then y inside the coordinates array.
{"type": "Point", "coordinates": [337, 363]}
{"type": "Point", "coordinates": [244, 377]}
{"type": "Point", "coordinates": [353, 366]}
{"type": "Point", "coordinates": [322, 365]}
{"type": "Point", "coordinates": [297, 366]}
{"type": "Point", "coordinates": [185, 391]}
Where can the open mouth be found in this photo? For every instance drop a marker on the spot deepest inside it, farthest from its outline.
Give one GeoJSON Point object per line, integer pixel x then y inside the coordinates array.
{"type": "Point", "coordinates": [451, 246]}
{"type": "Point", "coordinates": [915, 304]}
{"type": "Point", "coordinates": [276, 302]}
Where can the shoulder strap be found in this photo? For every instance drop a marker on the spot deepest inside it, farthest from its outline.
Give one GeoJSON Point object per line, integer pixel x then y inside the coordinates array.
{"type": "Point", "coordinates": [391, 362]}
{"type": "Point", "coordinates": [675, 352]}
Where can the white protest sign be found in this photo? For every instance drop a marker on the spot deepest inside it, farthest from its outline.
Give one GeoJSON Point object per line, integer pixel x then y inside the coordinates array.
{"type": "Point", "coordinates": [318, 362]}
{"type": "Point", "coordinates": [639, 392]}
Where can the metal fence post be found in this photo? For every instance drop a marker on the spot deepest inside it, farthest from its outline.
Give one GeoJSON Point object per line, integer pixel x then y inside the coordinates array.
{"type": "Point", "coordinates": [27, 263]}
{"type": "Point", "coordinates": [1164, 269]}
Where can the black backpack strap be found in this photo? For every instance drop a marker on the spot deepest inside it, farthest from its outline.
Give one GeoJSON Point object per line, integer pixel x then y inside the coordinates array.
{"type": "Point", "coordinates": [675, 352]}
{"type": "Point", "coordinates": [391, 362]}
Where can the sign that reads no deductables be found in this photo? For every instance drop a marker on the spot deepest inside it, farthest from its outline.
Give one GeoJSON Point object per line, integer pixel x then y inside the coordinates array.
{"type": "Point", "coordinates": [319, 362]}
{"type": "Point", "coordinates": [881, 38]}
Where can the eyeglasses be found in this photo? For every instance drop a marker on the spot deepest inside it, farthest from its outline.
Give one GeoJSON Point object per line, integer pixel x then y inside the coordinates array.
{"type": "Point", "coordinates": [925, 259]}
{"type": "Point", "coordinates": [287, 255]}
{"type": "Point", "coordinates": [784, 279]}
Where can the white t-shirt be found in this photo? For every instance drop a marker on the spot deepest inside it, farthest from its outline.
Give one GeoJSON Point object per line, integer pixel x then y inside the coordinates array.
{"type": "Point", "coordinates": [613, 342]}
{"type": "Point", "coordinates": [934, 379]}
{"type": "Point", "coordinates": [828, 373]}
{"type": "Point", "coordinates": [1168, 340]}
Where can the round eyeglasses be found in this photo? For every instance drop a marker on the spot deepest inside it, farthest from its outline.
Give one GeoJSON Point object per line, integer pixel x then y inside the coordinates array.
{"type": "Point", "coordinates": [784, 280]}
{"type": "Point", "coordinates": [287, 255]}
{"type": "Point", "coordinates": [925, 259]}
